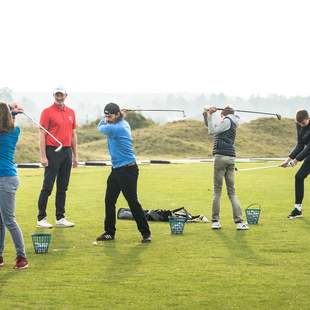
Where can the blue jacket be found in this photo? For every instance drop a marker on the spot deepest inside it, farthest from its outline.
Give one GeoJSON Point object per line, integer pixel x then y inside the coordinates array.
{"type": "Point", "coordinates": [119, 142]}
{"type": "Point", "coordinates": [8, 142]}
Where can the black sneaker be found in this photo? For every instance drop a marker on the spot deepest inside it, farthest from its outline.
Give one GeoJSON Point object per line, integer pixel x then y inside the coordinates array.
{"type": "Point", "coordinates": [146, 239]}
{"type": "Point", "coordinates": [105, 237]}
{"type": "Point", "coordinates": [1, 261]}
{"type": "Point", "coordinates": [295, 214]}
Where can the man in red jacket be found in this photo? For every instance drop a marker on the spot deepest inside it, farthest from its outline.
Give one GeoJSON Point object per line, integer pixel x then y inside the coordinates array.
{"type": "Point", "coordinates": [59, 120]}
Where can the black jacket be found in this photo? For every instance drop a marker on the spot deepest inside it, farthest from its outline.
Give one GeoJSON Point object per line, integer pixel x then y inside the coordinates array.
{"type": "Point", "coordinates": [302, 148]}
{"type": "Point", "coordinates": [224, 142]}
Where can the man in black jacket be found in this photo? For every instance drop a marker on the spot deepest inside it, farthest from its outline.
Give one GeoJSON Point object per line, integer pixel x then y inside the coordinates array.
{"type": "Point", "coordinates": [301, 152]}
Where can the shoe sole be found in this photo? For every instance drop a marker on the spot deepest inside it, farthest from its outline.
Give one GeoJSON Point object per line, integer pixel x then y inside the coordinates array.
{"type": "Point", "coordinates": [21, 268]}
{"type": "Point", "coordinates": [243, 228]}
{"type": "Point", "coordinates": [295, 217]}
{"type": "Point", "coordinates": [104, 240]}
{"type": "Point", "coordinates": [63, 226]}
{"type": "Point", "coordinates": [1, 265]}
{"type": "Point", "coordinates": [146, 241]}
{"type": "Point", "coordinates": [38, 226]}
{"type": "Point", "coordinates": [216, 228]}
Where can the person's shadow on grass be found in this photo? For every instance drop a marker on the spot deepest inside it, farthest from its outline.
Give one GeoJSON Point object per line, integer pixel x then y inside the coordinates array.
{"type": "Point", "coordinates": [305, 221]}
{"type": "Point", "coordinates": [122, 263]}
{"type": "Point", "coordinates": [237, 244]}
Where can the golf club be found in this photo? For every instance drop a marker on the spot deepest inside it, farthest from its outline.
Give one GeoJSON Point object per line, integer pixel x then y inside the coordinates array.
{"type": "Point", "coordinates": [278, 116]}
{"type": "Point", "coordinates": [256, 168]}
{"type": "Point", "coordinates": [38, 124]}
{"type": "Point", "coordinates": [156, 110]}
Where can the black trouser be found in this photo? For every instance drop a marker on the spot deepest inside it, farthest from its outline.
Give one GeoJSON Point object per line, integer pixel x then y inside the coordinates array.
{"type": "Point", "coordinates": [59, 165]}
{"type": "Point", "coordinates": [300, 176]}
{"type": "Point", "coordinates": [124, 180]}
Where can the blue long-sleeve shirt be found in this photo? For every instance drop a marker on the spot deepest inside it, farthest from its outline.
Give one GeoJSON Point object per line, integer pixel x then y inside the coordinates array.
{"type": "Point", "coordinates": [8, 142]}
{"type": "Point", "coordinates": [119, 142]}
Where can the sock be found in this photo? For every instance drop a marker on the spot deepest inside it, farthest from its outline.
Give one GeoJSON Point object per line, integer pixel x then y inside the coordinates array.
{"type": "Point", "coordinates": [298, 206]}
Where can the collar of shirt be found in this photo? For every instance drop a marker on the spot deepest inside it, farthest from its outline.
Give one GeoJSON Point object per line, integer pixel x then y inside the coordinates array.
{"type": "Point", "coordinates": [57, 107]}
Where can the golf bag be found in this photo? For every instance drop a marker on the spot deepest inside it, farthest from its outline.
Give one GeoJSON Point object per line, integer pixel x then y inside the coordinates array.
{"type": "Point", "coordinates": [161, 215]}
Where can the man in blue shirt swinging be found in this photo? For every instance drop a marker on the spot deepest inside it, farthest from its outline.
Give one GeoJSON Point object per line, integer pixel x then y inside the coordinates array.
{"type": "Point", "coordinates": [124, 175]}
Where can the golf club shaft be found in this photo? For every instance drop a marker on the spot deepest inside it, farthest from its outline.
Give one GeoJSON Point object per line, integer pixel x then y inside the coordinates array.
{"type": "Point", "coordinates": [39, 125]}
{"type": "Point", "coordinates": [255, 112]}
{"type": "Point", "coordinates": [156, 110]}
{"type": "Point", "coordinates": [257, 168]}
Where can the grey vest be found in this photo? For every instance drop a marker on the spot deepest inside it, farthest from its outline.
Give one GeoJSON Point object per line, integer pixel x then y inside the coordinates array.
{"type": "Point", "coordinates": [224, 142]}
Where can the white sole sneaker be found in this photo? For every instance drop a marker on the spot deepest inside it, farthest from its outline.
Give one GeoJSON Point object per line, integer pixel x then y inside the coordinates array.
{"type": "Point", "coordinates": [44, 224]}
{"type": "Point", "coordinates": [242, 226]}
{"type": "Point", "coordinates": [295, 217]}
{"type": "Point", "coordinates": [216, 226]}
{"type": "Point", "coordinates": [21, 268]}
{"type": "Point", "coordinates": [63, 226]}
{"type": "Point", "coordinates": [39, 226]}
{"type": "Point", "coordinates": [64, 223]}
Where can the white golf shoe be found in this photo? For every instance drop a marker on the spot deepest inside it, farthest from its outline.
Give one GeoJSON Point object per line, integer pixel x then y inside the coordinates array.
{"type": "Point", "coordinates": [242, 226]}
{"type": "Point", "coordinates": [216, 225]}
{"type": "Point", "coordinates": [64, 223]}
{"type": "Point", "coordinates": [44, 224]}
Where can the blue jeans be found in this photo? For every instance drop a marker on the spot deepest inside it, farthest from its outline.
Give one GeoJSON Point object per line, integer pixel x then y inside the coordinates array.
{"type": "Point", "coordinates": [8, 187]}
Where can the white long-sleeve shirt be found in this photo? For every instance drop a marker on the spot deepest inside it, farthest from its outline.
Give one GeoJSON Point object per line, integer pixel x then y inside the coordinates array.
{"type": "Point", "coordinates": [217, 125]}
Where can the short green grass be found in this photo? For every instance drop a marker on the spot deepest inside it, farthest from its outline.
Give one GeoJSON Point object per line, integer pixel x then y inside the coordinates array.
{"type": "Point", "coordinates": [263, 268]}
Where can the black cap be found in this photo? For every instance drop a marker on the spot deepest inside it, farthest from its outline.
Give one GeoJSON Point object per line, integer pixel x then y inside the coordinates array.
{"type": "Point", "coordinates": [111, 108]}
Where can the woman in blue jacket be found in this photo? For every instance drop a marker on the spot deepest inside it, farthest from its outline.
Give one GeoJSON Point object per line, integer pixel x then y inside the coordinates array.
{"type": "Point", "coordinates": [9, 183]}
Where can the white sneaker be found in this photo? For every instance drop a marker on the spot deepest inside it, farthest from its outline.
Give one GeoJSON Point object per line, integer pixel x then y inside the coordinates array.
{"type": "Point", "coordinates": [44, 224]}
{"type": "Point", "coordinates": [216, 225]}
{"type": "Point", "coordinates": [242, 226]}
{"type": "Point", "coordinates": [64, 223]}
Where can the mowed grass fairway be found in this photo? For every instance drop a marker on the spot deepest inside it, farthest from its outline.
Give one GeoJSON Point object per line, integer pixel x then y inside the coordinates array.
{"type": "Point", "coordinates": [263, 268]}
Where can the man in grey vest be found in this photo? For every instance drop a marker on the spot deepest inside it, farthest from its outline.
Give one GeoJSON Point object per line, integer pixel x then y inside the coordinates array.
{"type": "Point", "coordinates": [224, 132]}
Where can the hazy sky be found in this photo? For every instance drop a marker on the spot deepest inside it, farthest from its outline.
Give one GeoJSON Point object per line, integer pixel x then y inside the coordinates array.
{"type": "Point", "coordinates": [239, 47]}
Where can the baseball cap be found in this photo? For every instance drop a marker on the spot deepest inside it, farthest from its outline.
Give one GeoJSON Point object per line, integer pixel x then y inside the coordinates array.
{"type": "Point", "coordinates": [59, 90]}
{"type": "Point", "coordinates": [111, 108]}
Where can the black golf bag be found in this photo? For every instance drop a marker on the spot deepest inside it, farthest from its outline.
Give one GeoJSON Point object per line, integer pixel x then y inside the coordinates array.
{"type": "Point", "coordinates": [158, 215]}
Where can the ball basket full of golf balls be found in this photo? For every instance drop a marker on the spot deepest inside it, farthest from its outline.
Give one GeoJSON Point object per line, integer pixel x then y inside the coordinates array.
{"type": "Point", "coordinates": [177, 224]}
{"type": "Point", "coordinates": [41, 242]}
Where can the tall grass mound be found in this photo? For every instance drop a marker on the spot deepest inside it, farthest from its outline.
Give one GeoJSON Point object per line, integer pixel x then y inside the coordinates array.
{"type": "Point", "coordinates": [264, 137]}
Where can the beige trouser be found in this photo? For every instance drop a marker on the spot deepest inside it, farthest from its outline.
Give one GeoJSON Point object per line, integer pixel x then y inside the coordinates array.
{"type": "Point", "coordinates": [224, 166]}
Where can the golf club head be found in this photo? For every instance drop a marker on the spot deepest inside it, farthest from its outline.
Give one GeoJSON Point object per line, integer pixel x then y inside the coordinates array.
{"type": "Point", "coordinates": [59, 148]}
{"type": "Point", "coordinates": [278, 116]}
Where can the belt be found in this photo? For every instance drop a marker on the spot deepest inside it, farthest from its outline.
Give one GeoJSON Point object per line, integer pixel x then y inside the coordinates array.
{"type": "Point", "coordinates": [55, 147]}
{"type": "Point", "coordinates": [128, 165]}
{"type": "Point", "coordinates": [131, 164]}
